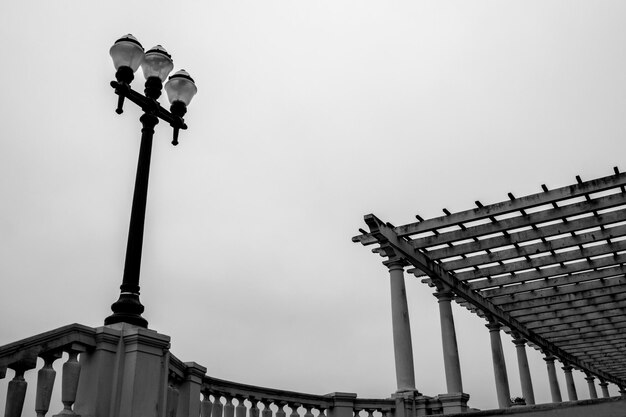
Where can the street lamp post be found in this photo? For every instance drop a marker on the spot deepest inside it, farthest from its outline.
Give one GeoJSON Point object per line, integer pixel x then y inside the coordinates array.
{"type": "Point", "coordinates": [128, 55]}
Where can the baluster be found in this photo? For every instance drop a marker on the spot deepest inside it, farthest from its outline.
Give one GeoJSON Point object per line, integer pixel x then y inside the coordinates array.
{"type": "Point", "coordinates": [172, 396]}
{"type": "Point", "coordinates": [254, 409]}
{"type": "Point", "coordinates": [15, 394]}
{"type": "Point", "coordinates": [294, 410]}
{"type": "Point", "coordinates": [69, 380]}
{"type": "Point", "coordinates": [307, 410]}
{"type": "Point", "coordinates": [217, 406]}
{"type": "Point", "coordinates": [45, 383]}
{"type": "Point", "coordinates": [357, 412]}
{"type": "Point", "coordinates": [322, 412]}
{"type": "Point", "coordinates": [206, 406]}
{"type": "Point", "coordinates": [267, 411]}
{"type": "Point", "coordinates": [240, 410]}
{"type": "Point", "coordinates": [281, 409]}
{"type": "Point", "coordinates": [229, 407]}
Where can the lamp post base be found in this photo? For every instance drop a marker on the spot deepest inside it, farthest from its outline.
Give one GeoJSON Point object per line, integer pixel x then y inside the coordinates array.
{"type": "Point", "coordinates": [127, 309]}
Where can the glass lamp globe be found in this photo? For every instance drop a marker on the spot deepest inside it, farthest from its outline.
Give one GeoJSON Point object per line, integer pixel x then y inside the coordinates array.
{"type": "Point", "coordinates": [157, 63]}
{"type": "Point", "coordinates": [181, 87]}
{"type": "Point", "coordinates": [127, 52]}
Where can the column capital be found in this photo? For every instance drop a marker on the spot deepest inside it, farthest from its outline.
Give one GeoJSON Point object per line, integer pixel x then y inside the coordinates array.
{"type": "Point", "coordinates": [567, 368]}
{"type": "Point", "coordinates": [493, 326]}
{"type": "Point", "coordinates": [519, 341]}
{"type": "Point", "coordinates": [395, 264]}
{"type": "Point", "coordinates": [603, 383]}
{"type": "Point", "coordinates": [590, 378]}
{"type": "Point", "coordinates": [444, 296]}
{"type": "Point", "coordinates": [549, 358]}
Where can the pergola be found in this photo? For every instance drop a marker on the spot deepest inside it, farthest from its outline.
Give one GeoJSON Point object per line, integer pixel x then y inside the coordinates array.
{"type": "Point", "coordinates": [547, 268]}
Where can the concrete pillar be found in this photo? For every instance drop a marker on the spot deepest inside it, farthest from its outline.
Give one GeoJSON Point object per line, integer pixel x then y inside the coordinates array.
{"type": "Point", "coordinates": [569, 383]}
{"type": "Point", "coordinates": [402, 345]}
{"type": "Point", "coordinates": [524, 371]}
{"type": "Point", "coordinates": [499, 366]}
{"type": "Point", "coordinates": [342, 404]}
{"type": "Point", "coordinates": [125, 375]}
{"type": "Point", "coordinates": [593, 394]}
{"type": "Point", "coordinates": [451, 363]}
{"type": "Point", "coordinates": [189, 391]}
{"type": "Point", "coordinates": [604, 387]}
{"type": "Point", "coordinates": [555, 391]}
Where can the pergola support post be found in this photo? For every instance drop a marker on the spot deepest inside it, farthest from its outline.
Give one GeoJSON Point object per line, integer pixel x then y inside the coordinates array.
{"type": "Point", "coordinates": [593, 394]}
{"type": "Point", "coordinates": [569, 382]}
{"type": "Point", "coordinates": [555, 391]}
{"type": "Point", "coordinates": [499, 366]}
{"type": "Point", "coordinates": [524, 371]}
{"type": "Point", "coordinates": [402, 345]}
{"type": "Point", "coordinates": [604, 387]}
{"type": "Point", "coordinates": [451, 361]}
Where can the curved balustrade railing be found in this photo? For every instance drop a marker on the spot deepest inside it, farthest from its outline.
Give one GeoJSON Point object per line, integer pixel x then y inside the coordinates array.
{"type": "Point", "coordinates": [126, 368]}
{"type": "Point", "coordinates": [22, 357]}
{"type": "Point", "coordinates": [222, 398]}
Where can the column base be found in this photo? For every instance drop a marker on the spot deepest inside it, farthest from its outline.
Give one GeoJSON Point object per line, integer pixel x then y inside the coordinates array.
{"type": "Point", "coordinates": [454, 403]}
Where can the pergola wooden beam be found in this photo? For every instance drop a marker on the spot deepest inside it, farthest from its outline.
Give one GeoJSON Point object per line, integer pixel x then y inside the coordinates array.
{"type": "Point", "coordinates": [527, 235]}
{"type": "Point", "coordinates": [560, 258]}
{"type": "Point", "coordinates": [506, 207]}
{"type": "Point", "coordinates": [547, 273]}
{"type": "Point", "coordinates": [556, 294]}
{"type": "Point", "coordinates": [560, 281]}
{"type": "Point", "coordinates": [537, 248]}
{"type": "Point", "coordinates": [518, 222]}
{"type": "Point", "coordinates": [576, 318]}
{"type": "Point", "coordinates": [609, 301]}
{"type": "Point", "coordinates": [565, 298]}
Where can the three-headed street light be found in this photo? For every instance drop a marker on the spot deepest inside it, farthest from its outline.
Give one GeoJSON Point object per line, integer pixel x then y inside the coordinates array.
{"type": "Point", "coordinates": [128, 55]}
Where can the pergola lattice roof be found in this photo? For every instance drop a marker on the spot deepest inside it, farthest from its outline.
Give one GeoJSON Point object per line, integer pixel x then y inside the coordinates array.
{"type": "Point", "coordinates": [550, 267]}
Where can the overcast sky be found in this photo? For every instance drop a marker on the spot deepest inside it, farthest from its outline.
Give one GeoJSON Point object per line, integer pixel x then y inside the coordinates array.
{"type": "Point", "coordinates": [309, 115]}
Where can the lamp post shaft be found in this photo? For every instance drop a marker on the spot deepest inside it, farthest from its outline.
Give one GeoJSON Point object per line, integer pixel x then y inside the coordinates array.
{"type": "Point", "coordinates": [128, 308]}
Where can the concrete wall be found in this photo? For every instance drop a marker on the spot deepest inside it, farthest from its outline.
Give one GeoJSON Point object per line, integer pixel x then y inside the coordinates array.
{"type": "Point", "coordinates": [605, 407]}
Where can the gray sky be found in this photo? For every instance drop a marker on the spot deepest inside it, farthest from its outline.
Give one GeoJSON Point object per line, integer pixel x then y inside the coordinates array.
{"type": "Point", "coordinates": [309, 115]}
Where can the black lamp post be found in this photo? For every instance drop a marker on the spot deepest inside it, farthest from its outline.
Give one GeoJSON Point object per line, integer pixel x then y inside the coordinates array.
{"type": "Point", "coordinates": [128, 55]}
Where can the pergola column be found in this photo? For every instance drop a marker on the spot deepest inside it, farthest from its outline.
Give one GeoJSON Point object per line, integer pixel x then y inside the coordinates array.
{"type": "Point", "coordinates": [555, 391]}
{"type": "Point", "coordinates": [499, 366]}
{"type": "Point", "coordinates": [604, 387]}
{"type": "Point", "coordinates": [569, 383]}
{"type": "Point", "coordinates": [524, 371]}
{"type": "Point", "coordinates": [451, 362]}
{"type": "Point", "coordinates": [402, 345]}
{"type": "Point", "coordinates": [593, 394]}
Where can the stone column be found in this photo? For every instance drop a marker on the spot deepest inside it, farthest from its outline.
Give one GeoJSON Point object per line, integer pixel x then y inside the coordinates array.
{"type": "Point", "coordinates": [524, 371]}
{"type": "Point", "coordinates": [451, 363]}
{"type": "Point", "coordinates": [604, 386]}
{"type": "Point", "coordinates": [593, 394]}
{"type": "Point", "coordinates": [402, 345]}
{"type": "Point", "coordinates": [569, 383]}
{"type": "Point", "coordinates": [555, 391]}
{"type": "Point", "coordinates": [499, 366]}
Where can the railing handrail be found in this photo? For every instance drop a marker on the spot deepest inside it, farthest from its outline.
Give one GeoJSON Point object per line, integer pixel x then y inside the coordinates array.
{"type": "Point", "coordinates": [52, 340]}
{"type": "Point", "coordinates": [237, 389]}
